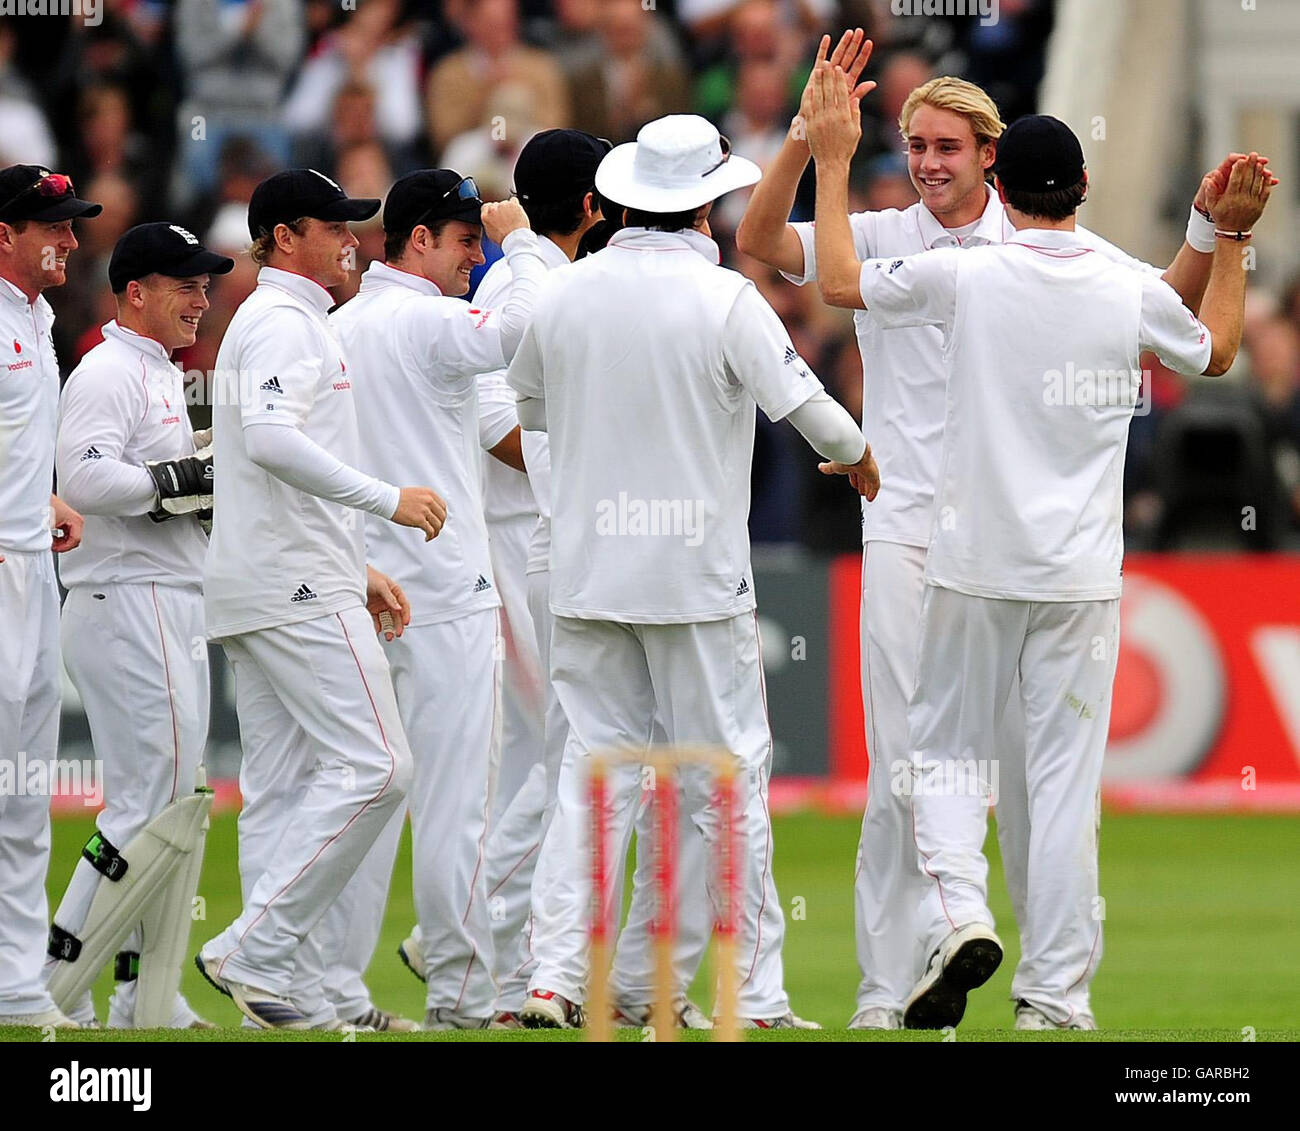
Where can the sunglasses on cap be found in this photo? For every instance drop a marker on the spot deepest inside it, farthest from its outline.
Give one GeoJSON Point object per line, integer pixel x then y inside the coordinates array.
{"type": "Point", "coordinates": [51, 185]}
{"type": "Point", "coordinates": [465, 189]}
{"type": "Point", "coordinates": [725, 144]}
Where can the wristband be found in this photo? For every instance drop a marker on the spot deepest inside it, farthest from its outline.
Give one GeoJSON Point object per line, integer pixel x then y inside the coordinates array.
{"type": "Point", "coordinates": [1239, 237]}
{"type": "Point", "coordinates": [1200, 231]}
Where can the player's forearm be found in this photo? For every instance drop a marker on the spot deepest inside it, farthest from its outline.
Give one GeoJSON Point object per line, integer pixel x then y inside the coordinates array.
{"type": "Point", "coordinates": [510, 450]}
{"type": "Point", "coordinates": [838, 267]}
{"type": "Point", "coordinates": [1189, 275]}
{"type": "Point", "coordinates": [829, 429]}
{"type": "Point", "coordinates": [765, 231]}
{"type": "Point", "coordinates": [528, 273]}
{"type": "Point", "coordinates": [294, 458]}
{"type": "Point", "coordinates": [1223, 308]}
{"type": "Point", "coordinates": [106, 486]}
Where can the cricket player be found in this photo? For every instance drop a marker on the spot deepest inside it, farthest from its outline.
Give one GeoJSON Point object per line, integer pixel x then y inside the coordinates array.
{"type": "Point", "coordinates": [288, 593]}
{"type": "Point", "coordinates": [555, 181]}
{"type": "Point", "coordinates": [134, 609]}
{"type": "Point", "coordinates": [418, 352]}
{"type": "Point", "coordinates": [37, 208]}
{"type": "Point", "coordinates": [950, 128]}
{"type": "Point", "coordinates": [645, 363]}
{"type": "Point", "coordinates": [1023, 568]}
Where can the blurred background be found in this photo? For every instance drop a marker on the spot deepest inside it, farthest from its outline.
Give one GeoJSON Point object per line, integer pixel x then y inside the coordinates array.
{"type": "Point", "coordinates": [178, 109]}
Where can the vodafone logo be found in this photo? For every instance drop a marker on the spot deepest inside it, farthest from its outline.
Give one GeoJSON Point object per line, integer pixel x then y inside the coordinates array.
{"type": "Point", "coordinates": [18, 346]}
{"type": "Point", "coordinates": [1169, 686]}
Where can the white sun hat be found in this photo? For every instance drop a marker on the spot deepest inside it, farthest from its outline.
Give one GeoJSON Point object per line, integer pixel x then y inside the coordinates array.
{"type": "Point", "coordinates": [676, 163]}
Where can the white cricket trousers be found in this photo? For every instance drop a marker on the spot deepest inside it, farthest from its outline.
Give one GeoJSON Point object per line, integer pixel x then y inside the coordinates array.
{"type": "Point", "coordinates": [889, 884]}
{"type": "Point", "coordinates": [1065, 653]}
{"type": "Point", "coordinates": [704, 683]}
{"type": "Point", "coordinates": [138, 658]}
{"type": "Point", "coordinates": [515, 841]}
{"type": "Point", "coordinates": [326, 764]}
{"type": "Point", "coordinates": [29, 732]}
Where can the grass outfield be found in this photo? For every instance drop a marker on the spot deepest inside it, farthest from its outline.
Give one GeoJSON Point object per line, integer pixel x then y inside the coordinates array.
{"type": "Point", "coordinates": [1200, 943]}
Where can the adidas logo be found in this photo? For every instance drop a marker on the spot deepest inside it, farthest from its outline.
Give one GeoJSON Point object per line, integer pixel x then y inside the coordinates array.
{"type": "Point", "coordinates": [271, 386]}
{"type": "Point", "coordinates": [791, 355]}
{"type": "Point", "coordinates": [91, 453]}
{"type": "Point", "coordinates": [742, 588]}
{"type": "Point", "coordinates": [303, 594]}
{"type": "Point", "coordinates": [482, 584]}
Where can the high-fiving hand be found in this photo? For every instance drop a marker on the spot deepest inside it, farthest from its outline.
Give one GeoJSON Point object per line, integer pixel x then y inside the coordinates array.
{"type": "Point", "coordinates": [834, 124]}
{"type": "Point", "coordinates": [1247, 192]}
{"type": "Point", "coordinates": [850, 55]}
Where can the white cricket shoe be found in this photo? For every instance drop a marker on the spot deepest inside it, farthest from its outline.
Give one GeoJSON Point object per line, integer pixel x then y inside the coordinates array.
{"type": "Point", "coordinates": [965, 960]}
{"type": "Point", "coordinates": [375, 1020]}
{"type": "Point", "coordinates": [688, 1015]}
{"type": "Point", "coordinates": [48, 1018]}
{"type": "Point", "coordinates": [506, 1019]}
{"type": "Point", "coordinates": [877, 1017]}
{"type": "Point", "coordinates": [445, 1019]}
{"type": "Point", "coordinates": [412, 956]}
{"type": "Point", "coordinates": [1029, 1018]}
{"type": "Point", "coordinates": [545, 1009]}
{"type": "Point", "coordinates": [787, 1021]}
{"type": "Point", "coordinates": [265, 1009]}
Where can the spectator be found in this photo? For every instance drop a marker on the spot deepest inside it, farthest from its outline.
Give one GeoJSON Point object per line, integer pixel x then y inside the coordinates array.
{"type": "Point", "coordinates": [241, 167]}
{"type": "Point", "coordinates": [757, 31]}
{"type": "Point", "coordinates": [888, 184]}
{"type": "Point", "coordinates": [25, 136]}
{"type": "Point", "coordinates": [756, 126]}
{"type": "Point", "coordinates": [901, 75]}
{"type": "Point", "coordinates": [629, 86]}
{"type": "Point", "coordinates": [574, 37]}
{"type": "Point", "coordinates": [236, 57]}
{"type": "Point", "coordinates": [489, 151]}
{"type": "Point", "coordinates": [1274, 350]}
{"type": "Point", "coordinates": [376, 48]}
{"type": "Point", "coordinates": [462, 82]}
{"type": "Point", "coordinates": [107, 142]}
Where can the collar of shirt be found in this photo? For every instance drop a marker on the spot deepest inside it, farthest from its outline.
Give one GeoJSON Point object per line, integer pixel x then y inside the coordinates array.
{"type": "Point", "coordinates": [644, 239]}
{"type": "Point", "coordinates": [1052, 240]}
{"type": "Point", "coordinates": [12, 294]}
{"type": "Point", "coordinates": [308, 292]}
{"type": "Point", "coordinates": [151, 347]}
{"type": "Point", "coordinates": [990, 229]}
{"type": "Point", "coordinates": [551, 252]}
{"type": "Point", "coordinates": [382, 275]}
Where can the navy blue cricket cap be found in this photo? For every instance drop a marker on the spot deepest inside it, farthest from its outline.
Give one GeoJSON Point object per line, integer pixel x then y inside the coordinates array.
{"type": "Point", "coordinates": [1039, 153]}
{"type": "Point", "coordinates": [32, 192]}
{"type": "Point", "coordinates": [429, 195]}
{"type": "Point", "coordinates": [162, 249]}
{"type": "Point", "coordinates": [295, 193]}
{"type": "Point", "coordinates": [556, 165]}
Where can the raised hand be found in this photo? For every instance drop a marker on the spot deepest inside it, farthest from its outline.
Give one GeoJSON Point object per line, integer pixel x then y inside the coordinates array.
{"type": "Point", "coordinates": [834, 124]}
{"type": "Point", "coordinates": [850, 55]}
{"type": "Point", "coordinates": [503, 217]}
{"type": "Point", "coordinates": [1215, 182]}
{"type": "Point", "coordinates": [1243, 199]}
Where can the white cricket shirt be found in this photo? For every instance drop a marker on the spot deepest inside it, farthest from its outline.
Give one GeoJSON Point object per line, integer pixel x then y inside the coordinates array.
{"type": "Point", "coordinates": [1041, 339]}
{"type": "Point", "coordinates": [650, 358]}
{"type": "Point", "coordinates": [416, 356]}
{"type": "Point", "coordinates": [507, 493]}
{"type": "Point", "coordinates": [279, 555]}
{"type": "Point", "coordinates": [29, 397]}
{"type": "Point", "coordinates": [903, 375]}
{"type": "Point", "coordinates": [125, 404]}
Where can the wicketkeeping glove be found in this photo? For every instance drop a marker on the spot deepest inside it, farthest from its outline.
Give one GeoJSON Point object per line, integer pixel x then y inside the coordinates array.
{"type": "Point", "coordinates": [184, 484]}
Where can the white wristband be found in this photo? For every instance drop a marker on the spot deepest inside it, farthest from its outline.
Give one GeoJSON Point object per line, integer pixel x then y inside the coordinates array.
{"type": "Point", "coordinates": [1200, 232]}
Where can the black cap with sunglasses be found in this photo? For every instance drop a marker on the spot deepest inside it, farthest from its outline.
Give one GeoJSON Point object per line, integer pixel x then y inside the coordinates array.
{"type": "Point", "coordinates": [298, 193]}
{"type": "Point", "coordinates": [31, 192]}
{"type": "Point", "coordinates": [429, 195]}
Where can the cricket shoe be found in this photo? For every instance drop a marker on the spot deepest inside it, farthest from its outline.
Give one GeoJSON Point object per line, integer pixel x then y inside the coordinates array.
{"type": "Point", "coordinates": [1029, 1018]}
{"type": "Point", "coordinates": [545, 1009]}
{"type": "Point", "coordinates": [687, 1014]}
{"type": "Point", "coordinates": [380, 1021]}
{"type": "Point", "coordinates": [265, 1009]}
{"type": "Point", "coordinates": [506, 1019]}
{"type": "Point", "coordinates": [47, 1019]}
{"type": "Point", "coordinates": [786, 1021]}
{"type": "Point", "coordinates": [338, 1025]}
{"type": "Point", "coordinates": [445, 1019]}
{"type": "Point", "coordinates": [412, 956]}
{"type": "Point", "coordinates": [877, 1017]}
{"type": "Point", "coordinates": [965, 960]}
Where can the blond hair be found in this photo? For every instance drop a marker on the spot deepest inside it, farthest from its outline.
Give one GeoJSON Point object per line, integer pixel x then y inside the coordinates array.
{"type": "Point", "coordinates": [265, 243]}
{"type": "Point", "coordinates": [961, 97]}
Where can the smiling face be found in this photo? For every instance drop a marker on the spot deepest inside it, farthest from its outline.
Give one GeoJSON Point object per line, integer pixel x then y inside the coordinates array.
{"type": "Point", "coordinates": [165, 309]}
{"type": "Point", "coordinates": [324, 251]}
{"type": "Point", "coordinates": [452, 255]}
{"type": "Point", "coordinates": [947, 164]}
{"type": "Point", "coordinates": [37, 256]}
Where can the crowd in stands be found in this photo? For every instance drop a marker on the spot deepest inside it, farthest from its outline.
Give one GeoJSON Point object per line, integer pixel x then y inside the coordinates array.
{"type": "Point", "coordinates": [176, 109]}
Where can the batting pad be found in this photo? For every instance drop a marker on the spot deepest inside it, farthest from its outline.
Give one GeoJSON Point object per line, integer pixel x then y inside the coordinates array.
{"type": "Point", "coordinates": [154, 855]}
